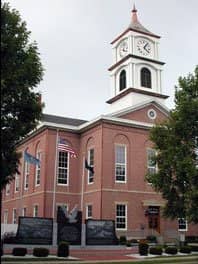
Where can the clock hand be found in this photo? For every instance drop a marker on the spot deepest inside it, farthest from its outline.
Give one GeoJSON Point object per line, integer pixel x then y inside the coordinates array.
{"type": "Point", "coordinates": [146, 46]}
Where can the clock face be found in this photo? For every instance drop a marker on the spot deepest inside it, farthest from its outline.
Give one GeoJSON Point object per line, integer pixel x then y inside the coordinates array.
{"type": "Point", "coordinates": [144, 47]}
{"type": "Point", "coordinates": [123, 48]}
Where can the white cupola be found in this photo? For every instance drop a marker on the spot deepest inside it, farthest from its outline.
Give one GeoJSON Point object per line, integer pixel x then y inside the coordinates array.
{"type": "Point", "coordinates": [136, 72]}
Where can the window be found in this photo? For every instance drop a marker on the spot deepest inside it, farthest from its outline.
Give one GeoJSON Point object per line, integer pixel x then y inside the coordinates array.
{"type": "Point", "coordinates": [35, 211]}
{"type": "Point", "coordinates": [27, 173]}
{"type": "Point", "coordinates": [121, 216]}
{"type": "Point", "coordinates": [7, 189]}
{"type": "Point", "coordinates": [63, 166]}
{"type": "Point", "coordinates": [16, 183]}
{"type": "Point", "coordinates": [122, 80]}
{"type": "Point", "coordinates": [151, 163]}
{"type": "Point", "coordinates": [38, 170]}
{"type": "Point", "coordinates": [91, 164]}
{"type": "Point", "coordinates": [5, 217]}
{"type": "Point", "coordinates": [120, 163]}
{"type": "Point", "coordinates": [14, 216]}
{"type": "Point", "coordinates": [89, 211]}
{"type": "Point", "coordinates": [145, 78]}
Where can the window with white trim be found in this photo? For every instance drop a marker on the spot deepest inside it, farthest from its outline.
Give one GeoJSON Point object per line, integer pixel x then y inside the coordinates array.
{"type": "Point", "coordinates": [63, 167]}
{"type": "Point", "coordinates": [7, 189]}
{"type": "Point", "coordinates": [5, 217]}
{"type": "Point", "coordinates": [27, 174]}
{"type": "Point", "coordinates": [35, 210]}
{"type": "Point", "coordinates": [91, 164]}
{"type": "Point", "coordinates": [121, 216]}
{"type": "Point", "coordinates": [151, 163]}
{"type": "Point", "coordinates": [38, 170]}
{"type": "Point", "coordinates": [88, 211]}
{"type": "Point", "coordinates": [120, 163]}
{"type": "Point", "coordinates": [24, 211]}
{"type": "Point", "coordinates": [14, 216]}
{"type": "Point", "coordinates": [16, 185]}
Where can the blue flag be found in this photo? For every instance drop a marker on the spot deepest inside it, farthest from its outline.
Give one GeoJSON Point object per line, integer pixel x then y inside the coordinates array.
{"type": "Point", "coordinates": [31, 159]}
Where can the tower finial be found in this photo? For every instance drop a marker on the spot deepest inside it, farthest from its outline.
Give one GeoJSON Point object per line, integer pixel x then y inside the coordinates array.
{"type": "Point", "coordinates": [134, 17]}
{"type": "Point", "coordinates": [134, 9]}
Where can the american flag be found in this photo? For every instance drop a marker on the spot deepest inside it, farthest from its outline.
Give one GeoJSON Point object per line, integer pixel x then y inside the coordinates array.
{"type": "Point", "coordinates": [64, 146]}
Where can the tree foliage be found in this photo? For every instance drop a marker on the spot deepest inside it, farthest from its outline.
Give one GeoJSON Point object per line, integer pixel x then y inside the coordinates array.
{"type": "Point", "coordinates": [176, 143]}
{"type": "Point", "coordinates": [21, 72]}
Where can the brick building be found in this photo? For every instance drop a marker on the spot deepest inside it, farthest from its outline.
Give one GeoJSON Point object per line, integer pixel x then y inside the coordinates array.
{"type": "Point", "coordinates": [115, 145]}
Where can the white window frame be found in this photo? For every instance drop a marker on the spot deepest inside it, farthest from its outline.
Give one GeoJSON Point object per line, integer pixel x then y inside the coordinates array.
{"type": "Point", "coordinates": [5, 216]}
{"type": "Point", "coordinates": [121, 217]}
{"type": "Point", "coordinates": [121, 164]}
{"type": "Point", "coordinates": [90, 175]}
{"type": "Point", "coordinates": [88, 211]}
{"type": "Point", "coordinates": [7, 191]}
{"type": "Point", "coordinates": [27, 174]}
{"type": "Point", "coordinates": [16, 183]}
{"type": "Point", "coordinates": [65, 168]}
{"type": "Point", "coordinates": [14, 216]}
{"type": "Point", "coordinates": [149, 166]}
{"type": "Point", "coordinates": [24, 211]}
{"type": "Point", "coordinates": [38, 170]}
{"type": "Point", "coordinates": [35, 210]}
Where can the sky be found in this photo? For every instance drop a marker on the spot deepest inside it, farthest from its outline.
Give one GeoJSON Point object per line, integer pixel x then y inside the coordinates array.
{"type": "Point", "coordinates": [74, 36]}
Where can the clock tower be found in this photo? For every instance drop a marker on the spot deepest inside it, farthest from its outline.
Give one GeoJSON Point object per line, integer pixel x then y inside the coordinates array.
{"type": "Point", "coordinates": [136, 72]}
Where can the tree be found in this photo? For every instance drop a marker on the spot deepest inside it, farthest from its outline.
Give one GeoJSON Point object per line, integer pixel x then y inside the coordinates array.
{"type": "Point", "coordinates": [21, 72]}
{"type": "Point", "coordinates": [176, 144]}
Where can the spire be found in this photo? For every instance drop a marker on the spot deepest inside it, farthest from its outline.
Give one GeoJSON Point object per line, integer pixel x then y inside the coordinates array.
{"type": "Point", "coordinates": [134, 18]}
{"type": "Point", "coordinates": [135, 24]}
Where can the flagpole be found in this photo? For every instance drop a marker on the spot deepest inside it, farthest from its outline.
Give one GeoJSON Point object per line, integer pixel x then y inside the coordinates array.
{"type": "Point", "coordinates": [55, 176]}
{"type": "Point", "coordinates": [82, 187]}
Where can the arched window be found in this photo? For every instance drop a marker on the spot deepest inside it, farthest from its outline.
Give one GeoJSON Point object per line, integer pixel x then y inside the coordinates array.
{"type": "Point", "coordinates": [145, 78]}
{"type": "Point", "coordinates": [122, 80]}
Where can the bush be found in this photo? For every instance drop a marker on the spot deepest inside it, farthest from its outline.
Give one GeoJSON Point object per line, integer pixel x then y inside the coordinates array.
{"type": "Point", "coordinates": [134, 241]}
{"type": "Point", "coordinates": [19, 252]}
{"type": "Point", "coordinates": [143, 248]}
{"type": "Point", "coordinates": [122, 240]}
{"type": "Point", "coordinates": [171, 250]}
{"type": "Point", "coordinates": [128, 243]}
{"type": "Point", "coordinates": [194, 248]}
{"type": "Point", "coordinates": [40, 252]}
{"type": "Point", "coordinates": [151, 239]}
{"type": "Point", "coordinates": [185, 249]}
{"type": "Point", "coordinates": [63, 249]}
{"type": "Point", "coordinates": [156, 250]}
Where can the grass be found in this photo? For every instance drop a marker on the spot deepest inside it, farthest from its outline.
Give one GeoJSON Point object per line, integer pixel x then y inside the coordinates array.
{"type": "Point", "coordinates": [158, 260]}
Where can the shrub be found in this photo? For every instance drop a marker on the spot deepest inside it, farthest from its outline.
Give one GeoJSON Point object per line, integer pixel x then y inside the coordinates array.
{"type": "Point", "coordinates": [40, 252]}
{"type": "Point", "coordinates": [63, 249]}
{"type": "Point", "coordinates": [128, 243]}
{"type": "Point", "coordinates": [156, 250]}
{"type": "Point", "coordinates": [134, 241]}
{"type": "Point", "coordinates": [171, 250]}
{"type": "Point", "coordinates": [143, 248]}
{"type": "Point", "coordinates": [185, 249]}
{"type": "Point", "coordinates": [151, 239]}
{"type": "Point", "coordinates": [123, 240]}
{"type": "Point", "coordinates": [19, 252]}
{"type": "Point", "coordinates": [194, 248]}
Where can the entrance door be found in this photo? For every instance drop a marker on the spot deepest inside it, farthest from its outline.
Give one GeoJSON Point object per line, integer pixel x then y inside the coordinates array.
{"type": "Point", "coordinates": [154, 218]}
